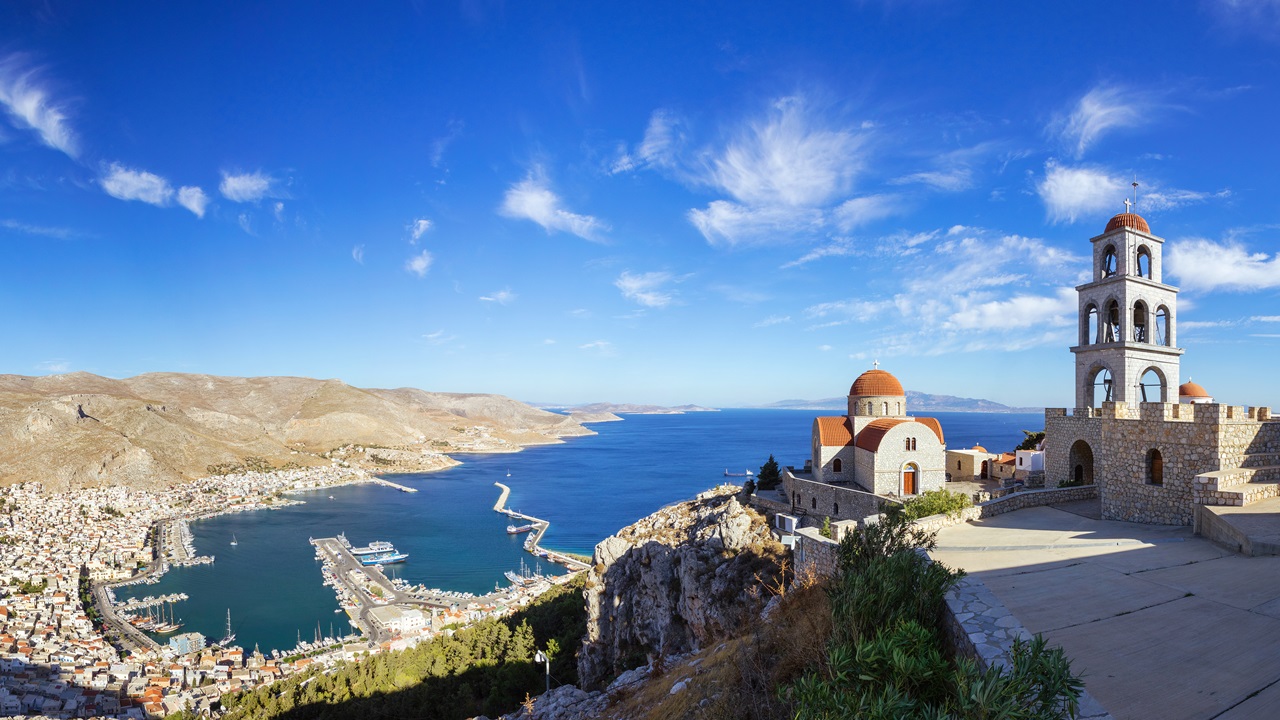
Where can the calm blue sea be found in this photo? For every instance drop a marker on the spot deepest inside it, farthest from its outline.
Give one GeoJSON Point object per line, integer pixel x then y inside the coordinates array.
{"type": "Point", "coordinates": [588, 488]}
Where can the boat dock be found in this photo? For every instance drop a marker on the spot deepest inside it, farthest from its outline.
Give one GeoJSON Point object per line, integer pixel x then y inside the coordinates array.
{"type": "Point", "coordinates": [150, 602]}
{"type": "Point", "coordinates": [532, 543]}
{"type": "Point", "coordinates": [397, 486]}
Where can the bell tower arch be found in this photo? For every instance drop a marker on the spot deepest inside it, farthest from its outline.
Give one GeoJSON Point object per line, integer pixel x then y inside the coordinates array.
{"type": "Point", "coordinates": [1128, 335]}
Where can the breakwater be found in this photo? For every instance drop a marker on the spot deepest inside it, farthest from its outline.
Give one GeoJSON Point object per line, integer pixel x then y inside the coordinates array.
{"type": "Point", "coordinates": [533, 542]}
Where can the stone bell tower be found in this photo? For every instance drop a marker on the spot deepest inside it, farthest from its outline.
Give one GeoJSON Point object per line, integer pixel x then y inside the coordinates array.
{"type": "Point", "coordinates": [1126, 351]}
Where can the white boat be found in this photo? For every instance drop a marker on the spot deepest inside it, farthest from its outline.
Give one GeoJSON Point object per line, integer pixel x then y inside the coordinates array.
{"type": "Point", "coordinates": [508, 472]}
{"type": "Point", "coordinates": [233, 539]}
{"type": "Point", "coordinates": [747, 473]}
{"type": "Point", "coordinates": [230, 637]}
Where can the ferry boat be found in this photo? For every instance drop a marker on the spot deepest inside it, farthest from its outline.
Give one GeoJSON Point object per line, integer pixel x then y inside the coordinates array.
{"type": "Point", "coordinates": [516, 530]}
{"type": "Point", "coordinates": [385, 558]}
{"type": "Point", "coordinates": [748, 473]}
{"type": "Point", "coordinates": [375, 548]}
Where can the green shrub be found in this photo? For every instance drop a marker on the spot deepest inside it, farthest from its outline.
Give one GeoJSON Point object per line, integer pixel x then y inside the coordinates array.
{"type": "Point", "coordinates": [935, 502]}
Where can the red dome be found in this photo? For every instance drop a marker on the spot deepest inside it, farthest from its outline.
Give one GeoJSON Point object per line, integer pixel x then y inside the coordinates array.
{"type": "Point", "coordinates": [1133, 221]}
{"type": "Point", "coordinates": [1192, 390]}
{"type": "Point", "coordinates": [876, 382]}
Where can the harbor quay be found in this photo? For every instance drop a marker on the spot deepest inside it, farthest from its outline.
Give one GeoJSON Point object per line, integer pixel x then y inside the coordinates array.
{"type": "Point", "coordinates": [538, 528]}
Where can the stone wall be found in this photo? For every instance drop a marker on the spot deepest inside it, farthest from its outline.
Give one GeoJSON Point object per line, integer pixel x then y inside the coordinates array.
{"type": "Point", "coordinates": [1192, 441]}
{"type": "Point", "coordinates": [809, 497]}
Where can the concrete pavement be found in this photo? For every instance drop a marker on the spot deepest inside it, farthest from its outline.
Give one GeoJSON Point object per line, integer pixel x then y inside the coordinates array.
{"type": "Point", "coordinates": [1161, 623]}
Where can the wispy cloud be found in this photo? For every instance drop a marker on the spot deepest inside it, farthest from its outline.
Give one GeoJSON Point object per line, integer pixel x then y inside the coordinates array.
{"type": "Point", "coordinates": [54, 366]}
{"type": "Point", "coordinates": [129, 184]}
{"type": "Point", "coordinates": [1070, 192]}
{"type": "Point", "coordinates": [860, 211]}
{"type": "Point", "coordinates": [1208, 266]}
{"type": "Point", "coordinates": [1159, 199]}
{"type": "Point", "coordinates": [533, 199]}
{"type": "Point", "coordinates": [31, 107]}
{"type": "Point", "coordinates": [438, 146]}
{"type": "Point", "coordinates": [773, 320]}
{"type": "Point", "coordinates": [647, 289]}
{"type": "Point", "coordinates": [43, 230]}
{"type": "Point", "coordinates": [897, 244]}
{"type": "Point", "coordinates": [246, 224]}
{"type": "Point", "coordinates": [1266, 318]}
{"type": "Point", "coordinates": [1101, 110]}
{"type": "Point", "coordinates": [1019, 311]}
{"type": "Point", "coordinates": [246, 187]}
{"type": "Point", "coordinates": [439, 338]}
{"type": "Point", "coordinates": [419, 264]}
{"type": "Point", "coordinates": [730, 223]}
{"type": "Point", "coordinates": [418, 228]}
{"type": "Point", "coordinates": [357, 253]}
{"type": "Point", "coordinates": [603, 347]}
{"type": "Point", "coordinates": [502, 297]}
{"type": "Point", "coordinates": [664, 139]}
{"type": "Point", "coordinates": [193, 199]}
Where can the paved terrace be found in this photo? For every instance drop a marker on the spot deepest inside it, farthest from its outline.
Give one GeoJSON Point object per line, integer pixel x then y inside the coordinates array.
{"type": "Point", "coordinates": [1162, 624]}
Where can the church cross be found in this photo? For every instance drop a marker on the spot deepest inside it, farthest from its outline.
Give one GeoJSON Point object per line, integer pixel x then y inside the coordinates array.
{"type": "Point", "coordinates": [876, 364]}
{"type": "Point", "coordinates": [1127, 204]}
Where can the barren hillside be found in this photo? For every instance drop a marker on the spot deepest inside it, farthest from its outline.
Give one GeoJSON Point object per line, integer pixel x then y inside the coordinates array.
{"type": "Point", "coordinates": [80, 429]}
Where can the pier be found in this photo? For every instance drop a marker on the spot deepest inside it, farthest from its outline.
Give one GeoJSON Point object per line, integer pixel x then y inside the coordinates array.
{"type": "Point", "coordinates": [150, 602]}
{"type": "Point", "coordinates": [539, 529]}
{"type": "Point", "coordinates": [388, 483]}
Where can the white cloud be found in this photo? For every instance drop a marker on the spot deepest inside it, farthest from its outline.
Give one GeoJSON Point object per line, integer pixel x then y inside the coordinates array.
{"type": "Point", "coordinates": [1020, 311]}
{"type": "Point", "coordinates": [31, 108]}
{"type": "Point", "coordinates": [664, 138]}
{"type": "Point", "coordinates": [54, 366]}
{"type": "Point", "coordinates": [532, 199]}
{"type": "Point", "coordinates": [604, 347]}
{"type": "Point", "coordinates": [646, 288]}
{"type": "Point", "coordinates": [193, 199]}
{"type": "Point", "coordinates": [357, 254]}
{"type": "Point", "coordinates": [950, 180]}
{"type": "Point", "coordinates": [549, 341]}
{"type": "Point", "coordinates": [1207, 266]}
{"type": "Point", "coordinates": [824, 348]}
{"type": "Point", "coordinates": [442, 143]}
{"type": "Point", "coordinates": [502, 297]}
{"type": "Point", "coordinates": [246, 187]}
{"type": "Point", "coordinates": [419, 264]}
{"type": "Point", "coordinates": [773, 320]}
{"type": "Point", "coordinates": [278, 210]}
{"type": "Point", "coordinates": [725, 222]}
{"type": "Point", "coordinates": [1157, 199]}
{"type": "Point", "coordinates": [245, 225]}
{"type": "Point", "coordinates": [418, 228]}
{"type": "Point", "coordinates": [791, 157]}
{"type": "Point", "coordinates": [1265, 318]}
{"type": "Point", "coordinates": [29, 229]}
{"type": "Point", "coordinates": [439, 338]}
{"type": "Point", "coordinates": [127, 184]}
{"type": "Point", "coordinates": [1101, 110]}
{"type": "Point", "coordinates": [862, 210]}
{"type": "Point", "coordinates": [846, 311]}
{"type": "Point", "coordinates": [1069, 192]}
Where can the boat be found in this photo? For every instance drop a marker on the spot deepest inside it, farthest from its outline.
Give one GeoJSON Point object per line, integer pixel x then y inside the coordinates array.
{"type": "Point", "coordinates": [230, 636]}
{"type": "Point", "coordinates": [747, 473]}
{"type": "Point", "coordinates": [233, 539]}
{"type": "Point", "coordinates": [516, 530]}
{"type": "Point", "coordinates": [375, 547]}
{"type": "Point", "coordinates": [508, 472]}
{"type": "Point", "coordinates": [330, 497]}
{"type": "Point", "coordinates": [385, 558]}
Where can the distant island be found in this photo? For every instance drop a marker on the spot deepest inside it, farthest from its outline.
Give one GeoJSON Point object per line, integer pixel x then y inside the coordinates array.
{"type": "Point", "coordinates": [916, 402]}
{"type": "Point", "coordinates": [609, 412]}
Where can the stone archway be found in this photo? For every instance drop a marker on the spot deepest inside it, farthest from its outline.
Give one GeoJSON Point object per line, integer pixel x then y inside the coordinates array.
{"type": "Point", "coordinates": [1080, 463]}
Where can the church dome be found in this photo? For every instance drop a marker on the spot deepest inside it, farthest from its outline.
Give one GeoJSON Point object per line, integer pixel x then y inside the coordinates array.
{"type": "Point", "coordinates": [1133, 221]}
{"type": "Point", "coordinates": [1192, 390]}
{"type": "Point", "coordinates": [876, 382]}
{"type": "Point", "coordinates": [979, 448]}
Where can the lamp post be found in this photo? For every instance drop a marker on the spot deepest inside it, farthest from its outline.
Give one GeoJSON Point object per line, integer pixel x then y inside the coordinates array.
{"type": "Point", "coordinates": [542, 658]}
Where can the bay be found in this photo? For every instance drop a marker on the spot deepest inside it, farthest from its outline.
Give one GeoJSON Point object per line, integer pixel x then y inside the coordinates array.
{"type": "Point", "coordinates": [588, 488]}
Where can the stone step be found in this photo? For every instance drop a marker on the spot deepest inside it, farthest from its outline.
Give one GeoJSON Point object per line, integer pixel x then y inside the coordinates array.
{"type": "Point", "coordinates": [1261, 487]}
{"type": "Point", "coordinates": [1260, 460]}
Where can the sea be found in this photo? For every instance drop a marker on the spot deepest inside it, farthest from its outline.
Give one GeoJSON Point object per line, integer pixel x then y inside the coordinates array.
{"type": "Point", "coordinates": [587, 488]}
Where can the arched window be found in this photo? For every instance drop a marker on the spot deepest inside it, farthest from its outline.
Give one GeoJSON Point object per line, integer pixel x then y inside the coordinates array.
{"type": "Point", "coordinates": [1144, 262]}
{"type": "Point", "coordinates": [913, 443]}
{"type": "Point", "coordinates": [1111, 323]}
{"type": "Point", "coordinates": [1151, 386]}
{"type": "Point", "coordinates": [899, 409]}
{"type": "Point", "coordinates": [886, 408]}
{"type": "Point", "coordinates": [814, 501]}
{"type": "Point", "coordinates": [957, 464]}
{"type": "Point", "coordinates": [1155, 467]}
{"type": "Point", "coordinates": [907, 444]}
{"type": "Point", "coordinates": [1161, 335]}
{"type": "Point", "coordinates": [835, 508]}
{"type": "Point", "coordinates": [836, 465]}
{"type": "Point", "coordinates": [868, 408]}
{"type": "Point", "coordinates": [1102, 390]}
{"type": "Point", "coordinates": [1140, 322]}
{"type": "Point", "coordinates": [1109, 266]}
{"type": "Point", "coordinates": [1089, 325]}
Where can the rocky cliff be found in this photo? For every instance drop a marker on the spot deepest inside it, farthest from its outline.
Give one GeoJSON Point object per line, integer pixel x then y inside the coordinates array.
{"type": "Point", "coordinates": [152, 430]}
{"type": "Point", "coordinates": [671, 583]}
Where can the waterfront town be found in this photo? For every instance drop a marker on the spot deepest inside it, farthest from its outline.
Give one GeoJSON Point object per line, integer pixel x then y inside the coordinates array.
{"type": "Point", "coordinates": [68, 648]}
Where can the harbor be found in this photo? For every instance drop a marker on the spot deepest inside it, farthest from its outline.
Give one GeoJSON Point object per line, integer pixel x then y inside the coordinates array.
{"type": "Point", "coordinates": [537, 528]}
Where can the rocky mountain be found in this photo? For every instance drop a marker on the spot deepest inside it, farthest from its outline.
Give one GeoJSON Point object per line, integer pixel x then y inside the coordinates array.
{"type": "Point", "coordinates": [917, 402]}
{"type": "Point", "coordinates": [156, 429]}
{"type": "Point", "coordinates": [675, 581]}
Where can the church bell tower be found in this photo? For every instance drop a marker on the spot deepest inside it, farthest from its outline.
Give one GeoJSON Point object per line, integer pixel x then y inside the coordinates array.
{"type": "Point", "coordinates": [1126, 351]}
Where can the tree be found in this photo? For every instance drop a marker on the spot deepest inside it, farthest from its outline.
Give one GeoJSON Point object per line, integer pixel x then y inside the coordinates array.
{"type": "Point", "coordinates": [749, 487]}
{"type": "Point", "coordinates": [769, 476]}
{"type": "Point", "coordinates": [1031, 440]}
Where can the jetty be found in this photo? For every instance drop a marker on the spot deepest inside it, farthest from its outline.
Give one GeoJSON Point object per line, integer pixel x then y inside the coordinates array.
{"type": "Point", "coordinates": [533, 542]}
{"type": "Point", "coordinates": [151, 602]}
{"type": "Point", "coordinates": [397, 486]}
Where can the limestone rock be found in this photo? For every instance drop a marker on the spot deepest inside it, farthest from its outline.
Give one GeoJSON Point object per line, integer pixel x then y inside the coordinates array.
{"type": "Point", "coordinates": [675, 581]}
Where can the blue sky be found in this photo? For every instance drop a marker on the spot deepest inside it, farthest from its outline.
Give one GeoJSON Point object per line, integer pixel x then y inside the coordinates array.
{"type": "Point", "coordinates": [725, 204]}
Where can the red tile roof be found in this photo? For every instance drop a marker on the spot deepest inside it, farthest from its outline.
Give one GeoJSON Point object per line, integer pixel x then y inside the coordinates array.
{"type": "Point", "coordinates": [934, 425]}
{"type": "Point", "coordinates": [874, 432]}
{"type": "Point", "coordinates": [1133, 221]}
{"type": "Point", "coordinates": [876, 382]}
{"type": "Point", "coordinates": [833, 431]}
